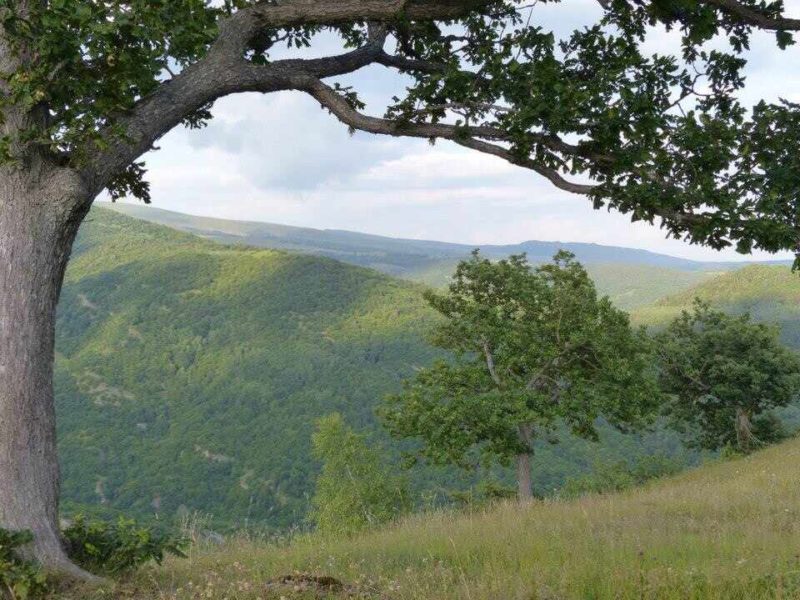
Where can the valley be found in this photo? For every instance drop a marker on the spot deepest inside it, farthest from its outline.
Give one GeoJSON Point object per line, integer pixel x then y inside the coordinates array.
{"type": "Point", "coordinates": [189, 372]}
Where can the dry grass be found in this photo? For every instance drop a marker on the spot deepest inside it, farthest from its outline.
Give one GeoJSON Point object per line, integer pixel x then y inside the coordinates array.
{"type": "Point", "coordinates": [726, 531]}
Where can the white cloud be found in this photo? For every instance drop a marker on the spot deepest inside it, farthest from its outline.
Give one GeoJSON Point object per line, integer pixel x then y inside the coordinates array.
{"type": "Point", "coordinates": [437, 168]}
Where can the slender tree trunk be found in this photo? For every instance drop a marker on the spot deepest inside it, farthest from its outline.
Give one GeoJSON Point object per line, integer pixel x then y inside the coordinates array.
{"type": "Point", "coordinates": [40, 212]}
{"type": "Point", "coordinates": [744, 430]}
{"type": "Point", "coordinates": [525, 486]}
{"type": "Point", "coordinates": [524, 483]}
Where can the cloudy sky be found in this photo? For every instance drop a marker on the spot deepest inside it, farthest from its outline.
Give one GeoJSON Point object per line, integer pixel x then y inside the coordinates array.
{"type": "Point", "coordinates": [281, 159]}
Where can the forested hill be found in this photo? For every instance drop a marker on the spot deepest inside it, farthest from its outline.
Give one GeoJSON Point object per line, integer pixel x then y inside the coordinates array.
{"type": "Point", "coordinates": [189, 373]}
{"type": "Point", "coordinates": [769, 293]}
{"type": "Point", "coordinates": [631, 277]}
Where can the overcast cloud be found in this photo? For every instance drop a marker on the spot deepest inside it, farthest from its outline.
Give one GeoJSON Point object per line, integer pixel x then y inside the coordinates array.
{"type": "Point", "coordinates": [281, 159]}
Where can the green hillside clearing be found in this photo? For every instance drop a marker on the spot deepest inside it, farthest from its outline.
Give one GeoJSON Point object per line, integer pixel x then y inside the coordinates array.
{"type": "Point", "coordinates": [768, 293]}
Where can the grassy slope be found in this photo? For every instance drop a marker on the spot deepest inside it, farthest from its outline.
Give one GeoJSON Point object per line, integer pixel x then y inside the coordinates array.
{"type": "Point", "coordinates": [724, 531]}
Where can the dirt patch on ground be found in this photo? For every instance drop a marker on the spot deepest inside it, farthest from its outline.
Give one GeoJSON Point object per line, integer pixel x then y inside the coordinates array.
{"type": "Point", "coordinates": [318, 586]}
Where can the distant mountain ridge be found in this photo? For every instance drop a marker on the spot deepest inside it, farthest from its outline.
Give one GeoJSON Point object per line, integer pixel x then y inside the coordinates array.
{"type": "Point", "coordinates": [408, 258]}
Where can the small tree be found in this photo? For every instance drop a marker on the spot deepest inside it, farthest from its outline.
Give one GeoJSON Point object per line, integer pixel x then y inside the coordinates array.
{"type": "Point", "coordinates": [354, 489]}
{"type": "Point", "coordinates": [721, 372]}
{"type": "Point", "coordinates": [533, 347]}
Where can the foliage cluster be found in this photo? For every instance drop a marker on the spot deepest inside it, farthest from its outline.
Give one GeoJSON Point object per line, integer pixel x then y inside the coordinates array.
{"type": "Point", "coordinates": [116, 547]}
{"type": "Point", "coordinates": [19, 579]}
{"type": "Point", "coordinates": [128, 46]}
{"type": "Point", "coordinates": [100, 547]}
{"type": "Point", "coordinates": [355, 489]}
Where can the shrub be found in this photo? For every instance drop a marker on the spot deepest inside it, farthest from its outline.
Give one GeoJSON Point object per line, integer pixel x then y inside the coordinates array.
{"type": "Point", "coordinates": [113, 548]}
{"type": "Point", "coordinates": [19, 579]}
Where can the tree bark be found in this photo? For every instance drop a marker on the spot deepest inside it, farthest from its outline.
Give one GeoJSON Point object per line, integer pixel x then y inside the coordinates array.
{"type": "Point", "coordinates": [524, 483]}
{"type": "Point", "coordinates": [40, 212]}
{"type": "Point", "coordinates": [744, 430]}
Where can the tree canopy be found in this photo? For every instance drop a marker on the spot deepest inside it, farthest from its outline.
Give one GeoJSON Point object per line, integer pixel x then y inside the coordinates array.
{"type": "Point", "coordinates": [655, 136]}
{"type": "Point", "coordinates": [722, 373]}
{"type": "Point", "coordinates": [533, 348]}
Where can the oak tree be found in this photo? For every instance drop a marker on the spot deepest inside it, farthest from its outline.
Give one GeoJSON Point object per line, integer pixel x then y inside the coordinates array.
{"type": "Point", "coordinates": [88, 86]}
{"type": "Point", "coordinates": [534, 348]}
{"type": "Point", "coordinates": [722, 373]}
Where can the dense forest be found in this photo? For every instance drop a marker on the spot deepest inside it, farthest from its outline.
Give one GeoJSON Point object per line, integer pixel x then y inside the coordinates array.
{"type": "Point", "coordinates": [190, 373]}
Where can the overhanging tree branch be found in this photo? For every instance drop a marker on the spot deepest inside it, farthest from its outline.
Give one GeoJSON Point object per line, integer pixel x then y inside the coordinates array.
{"type": "Point", "coordinates": [754, 17]}
{"type": "Point", "coordinates": [464, 136]}
{"type": "Point", "coordinates": [219, 74]}
{"type": "Point", "coordinates": [240, 29]}
{"type": "Point", "coordinates": [224, 70]}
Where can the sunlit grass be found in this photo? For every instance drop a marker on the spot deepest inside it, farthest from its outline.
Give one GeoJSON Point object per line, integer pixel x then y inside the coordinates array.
{"type": "Point", "coordinates": [725, 531]}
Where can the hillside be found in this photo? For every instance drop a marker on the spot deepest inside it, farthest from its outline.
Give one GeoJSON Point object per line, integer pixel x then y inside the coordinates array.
{"type": "Point", "coordinates": [630, 277]}
{"type": "Point", "coordinates": [721, 532]}
{"type": "Point", "coordinates": [189, 374]}
{"type": "Point", "coordinates": [768, 293]}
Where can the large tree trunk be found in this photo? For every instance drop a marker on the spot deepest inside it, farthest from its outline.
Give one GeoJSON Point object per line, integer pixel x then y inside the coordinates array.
{"type": "Point", "coordinates": [40, 212]}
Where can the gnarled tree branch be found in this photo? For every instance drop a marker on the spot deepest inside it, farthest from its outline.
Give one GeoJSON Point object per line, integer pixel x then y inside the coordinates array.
{"type": "Point", "coordinates": [225, 71]}
{"type": "Point", "coordinates": [464, 136]}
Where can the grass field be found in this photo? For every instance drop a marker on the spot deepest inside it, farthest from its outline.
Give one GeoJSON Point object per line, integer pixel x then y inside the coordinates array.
{"type": "Point", "coordinates": [729, 530]}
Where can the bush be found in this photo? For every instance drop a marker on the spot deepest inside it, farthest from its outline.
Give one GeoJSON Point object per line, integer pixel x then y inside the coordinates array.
{"type": "Point", "coordinates": [112, 548]}
{"type": "Point", "coordinates": [19, 579]}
